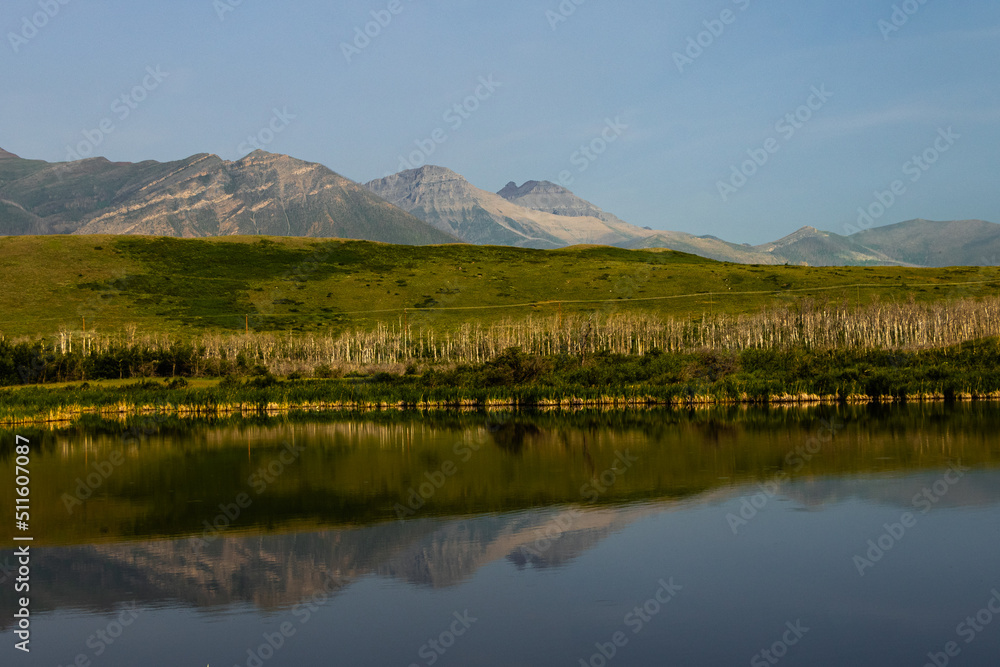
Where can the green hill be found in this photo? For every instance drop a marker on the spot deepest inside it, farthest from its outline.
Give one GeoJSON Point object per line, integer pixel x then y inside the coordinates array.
{"type": "Point", "coordinates": [168, 285]}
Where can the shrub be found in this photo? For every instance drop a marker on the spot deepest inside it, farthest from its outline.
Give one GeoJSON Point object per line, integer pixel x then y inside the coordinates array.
{"type": "Point", "coordinates": [325, 372]}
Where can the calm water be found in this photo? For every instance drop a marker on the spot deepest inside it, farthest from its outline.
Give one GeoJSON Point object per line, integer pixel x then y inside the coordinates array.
{"type": "Point", "coordinates": [848, 536]}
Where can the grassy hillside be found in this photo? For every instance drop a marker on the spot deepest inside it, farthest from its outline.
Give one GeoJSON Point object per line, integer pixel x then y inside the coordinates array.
{"type": "Point", "coordinates": [166, 285]}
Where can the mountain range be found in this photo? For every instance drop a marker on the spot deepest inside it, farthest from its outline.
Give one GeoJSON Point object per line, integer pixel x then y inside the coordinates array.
{"type": "Point", "coordinates": [529, 218]}
{"type": "Point", "coordinates": [277, 195]}
{"type": "Point", "coordinates": [203, 195]}
{"type": "Point", "coordinates": [540, 214]}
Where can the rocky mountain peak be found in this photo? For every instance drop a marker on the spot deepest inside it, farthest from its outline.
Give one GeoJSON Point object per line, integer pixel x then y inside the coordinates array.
{"type": "Point", "coordinates": [430, 172]}
{"type": "Point", "coordinates": [552, 198]}
{"type": "Point", "coordinates": [417, 187]}
{"type": "Point", "coordinates": [259, 157]}
{"type": "Point", "coordinates": [512, 191]}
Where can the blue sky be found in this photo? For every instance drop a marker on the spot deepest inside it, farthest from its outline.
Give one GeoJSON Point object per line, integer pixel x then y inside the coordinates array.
{"type": "Point", "coordinates": [678, 131]}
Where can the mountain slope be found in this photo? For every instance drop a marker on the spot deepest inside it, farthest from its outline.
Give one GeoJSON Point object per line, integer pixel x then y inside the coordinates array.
{"type": "Point", "coordinates": [911, 243]}
{"type": "Point", "coordinates": [552, 198]}
{"type": "Point", "coordinates": [203, 195]}
{"type": "Point", "coordinates": [450, 203]}
{"type": "Point", "coordinates": [704, 246]}
{"type": "Point", "coordinates": [811, 246]}
{"type": "Point", "coordinates": [936, 244]}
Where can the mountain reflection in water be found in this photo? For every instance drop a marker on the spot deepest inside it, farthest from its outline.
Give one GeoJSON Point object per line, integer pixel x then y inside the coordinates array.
{"type": "Point", "coordinates": [548, 527]}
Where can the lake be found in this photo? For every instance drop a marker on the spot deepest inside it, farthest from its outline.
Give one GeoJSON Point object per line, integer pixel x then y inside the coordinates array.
{"type": "Point", "coordinates": [832, 535]}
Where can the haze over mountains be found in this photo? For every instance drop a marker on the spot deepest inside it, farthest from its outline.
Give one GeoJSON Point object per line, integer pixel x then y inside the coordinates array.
{"type": "Point", "coordinates": [276, 195]}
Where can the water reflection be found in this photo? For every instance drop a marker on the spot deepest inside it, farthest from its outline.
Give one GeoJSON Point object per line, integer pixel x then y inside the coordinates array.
{"type": "Point", "coordinates": [278, 571]}
{"type": "Point", "coordinates": [177, 480]}
{"type": "Point", "coordinates": [518, 531]}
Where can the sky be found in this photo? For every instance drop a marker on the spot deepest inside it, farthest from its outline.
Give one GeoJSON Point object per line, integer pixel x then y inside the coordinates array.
{"type": "Point", "coordinates": [742, 119]}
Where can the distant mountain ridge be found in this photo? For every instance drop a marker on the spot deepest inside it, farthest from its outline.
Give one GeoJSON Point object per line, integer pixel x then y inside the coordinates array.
{"type": "Point", "coordinates": [270, 194]}
{"type": "Point", "coordinates": [450, 203]}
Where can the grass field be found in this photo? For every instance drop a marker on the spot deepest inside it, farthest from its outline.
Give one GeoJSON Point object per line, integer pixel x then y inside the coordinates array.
{"type": "Point", "coordinates": [173, 286]}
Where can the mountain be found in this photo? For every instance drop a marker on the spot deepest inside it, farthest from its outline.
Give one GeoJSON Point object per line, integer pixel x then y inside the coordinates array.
{"type": "Point", "coordinates": [541, 214]}
{"type": "Point", "coordinates": [914, 243]}
{"type": "Point", "coordinates": [277, 195]}
{"type": "Point", "coordinates": [704, 246]}
{"type": "Point", "coordinates": [910, 243]}
{"type": "Point", "coordinates": [450, 203]}
{"type": "Point", "coordinates": [813, 247]}
{"type": "Point", "coordinates": [936, 244]}
{"type": "Point", "coordinates": [552, 198]}
{"type": "Point", "coordinates": [202, 195]}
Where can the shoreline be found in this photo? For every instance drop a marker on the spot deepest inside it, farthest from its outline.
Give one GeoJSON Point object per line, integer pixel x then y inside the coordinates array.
{"type": "Point", "coordinates": [515, 380]}
{"type": "Point", "coordinates": [72, 413]}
